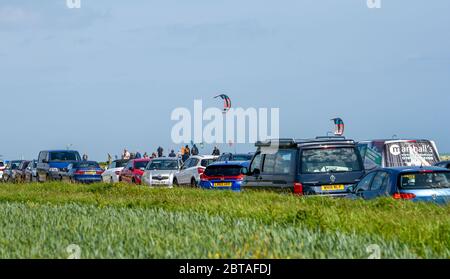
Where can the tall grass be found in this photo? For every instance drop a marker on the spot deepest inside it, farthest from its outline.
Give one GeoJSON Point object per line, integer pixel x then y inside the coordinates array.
{"type": "Point", "coordinates": [212, 223]}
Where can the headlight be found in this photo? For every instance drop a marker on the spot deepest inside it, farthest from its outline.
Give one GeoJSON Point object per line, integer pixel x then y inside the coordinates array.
{"type": "Point", "coordinates": [53, 169]}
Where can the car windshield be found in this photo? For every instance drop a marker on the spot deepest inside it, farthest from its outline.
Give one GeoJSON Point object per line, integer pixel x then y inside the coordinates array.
{"type": "Point", "coordinates": [223, 170]}
{"type": "Point", "coordinates": [86, 165]}
{"type": "Point", "coordinates": [1, 164]}
{"type": "Point", "coordinates": [64, 156]}
{"type": "Point", "coordinates": [15, 164]}
{"type": "Point", "coordinates": [242, 157]}
{"type": "Point", "coordinates": [325, 160]}
{"type": "Point", "coordinates": [207, 162]}
{"type": "Point", "coordinates": [163, 165]}
{"type": "Point", "coordinates": [121, 164]}
{"type": "Point", "coordinates": [425, 180]}
{"type": "Point", "coordinates": [140, 164]}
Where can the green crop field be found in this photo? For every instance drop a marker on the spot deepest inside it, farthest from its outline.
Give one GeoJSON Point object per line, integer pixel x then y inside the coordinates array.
{"type": "Point", "coordinates": [121, 221]}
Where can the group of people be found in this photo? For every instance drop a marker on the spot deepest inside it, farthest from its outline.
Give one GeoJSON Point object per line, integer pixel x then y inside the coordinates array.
{"type": "Point", "coordinates": [184, 153]}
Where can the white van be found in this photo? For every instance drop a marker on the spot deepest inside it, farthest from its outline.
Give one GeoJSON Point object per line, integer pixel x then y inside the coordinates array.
{"type": "Point", "coordinates": [398, 153]}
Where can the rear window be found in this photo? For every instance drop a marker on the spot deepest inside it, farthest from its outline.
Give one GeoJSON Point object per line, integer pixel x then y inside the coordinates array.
{"type": "Point", "coordinates": [223, 171]}
{"type": "Point", "coordinates": [411, 153]}
{"type": "Point", "coordinates": [163, 165]}
{"type": "Point", "coordinates": [242, 157]}
{"type": "Point", "coordinates": [140, 164]}
{"type": "Point", "coordinates": [1, 164]}
{"type": "Point", "coordinates": [425, 180]}
{"type": "Point", "coordinates": [121, 164]}
{"type": "Point", "coordinates": [83, 165]}
{"type": "Point", "coordinates": [64, 156]}
{"type": "Point", "coordinates": [324, 160]}
{"type": "Point", "coordinates": [207, 162]}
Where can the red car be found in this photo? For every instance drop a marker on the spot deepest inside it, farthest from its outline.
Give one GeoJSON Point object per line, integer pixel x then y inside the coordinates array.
{"type": "Point", "coordinates": [133, 171]}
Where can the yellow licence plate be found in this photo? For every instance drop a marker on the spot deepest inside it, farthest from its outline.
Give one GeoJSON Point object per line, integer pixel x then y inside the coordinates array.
{"type": "Point", "coordinates": [332, 187]}
{"type": "Point", "coordinates": [222, 184]}
{"type": "Point", "coordinates": [90, 172]}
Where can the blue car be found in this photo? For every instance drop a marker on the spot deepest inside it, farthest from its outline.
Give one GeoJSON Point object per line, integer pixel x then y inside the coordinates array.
{"type": "Point", "coordinates": [429, 184]}
{"type": "Point", "coordinates": [223, 176]}
{"type": "Point", "coordinates": [85, 172]}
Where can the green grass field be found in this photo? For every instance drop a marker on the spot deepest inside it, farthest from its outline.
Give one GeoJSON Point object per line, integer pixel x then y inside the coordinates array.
{"type": "Point", "coordinates": [120, 221]}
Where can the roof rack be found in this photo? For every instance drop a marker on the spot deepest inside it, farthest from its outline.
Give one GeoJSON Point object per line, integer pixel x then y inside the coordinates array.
{"type": "Point", "coordinates": [280, 142]}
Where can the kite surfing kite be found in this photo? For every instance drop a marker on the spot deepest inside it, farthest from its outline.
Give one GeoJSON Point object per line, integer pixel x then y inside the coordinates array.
{"type": "Point", "coordinates": [227, 102]}
{"type": "Point", "coordinates": [339, 126]}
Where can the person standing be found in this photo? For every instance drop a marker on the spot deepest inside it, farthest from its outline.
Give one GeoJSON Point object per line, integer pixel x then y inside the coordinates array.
{"type": "Point", "coordinates": [138, 155]}
{"type": "Point", "coordinates": [126, 154]}
{"type": "Point", "coordinates": [194, 150]}
{"type": "Point", "coordinates": [160, 151]}
{"type": "Point", "coordinates": [85, 157]}
{"type": "Point", "coordinates": [145, 155]}
{"type": "Point", "coordinates": [216, 151]}
{"type": "Point", "coordinates": [172, 154]}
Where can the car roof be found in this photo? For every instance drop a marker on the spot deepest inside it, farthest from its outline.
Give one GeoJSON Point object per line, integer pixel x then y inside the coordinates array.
{"type": "Point", "coordinates": [393, 140]}
{"type": "Point", "coordinates": [60, 150]}
{"type": "Point", "coordinates": [231, 163]}
{"type": "Point", "coordinates": [204, 157]}
{"type": "Point", "coordinates": [415, 169]}
{"type": "Point", "coordinates": [167, 158]}
{"type": "Point", "coordinates": [141, 160]}
{"type": "Point", "coordinates": [291, 142]}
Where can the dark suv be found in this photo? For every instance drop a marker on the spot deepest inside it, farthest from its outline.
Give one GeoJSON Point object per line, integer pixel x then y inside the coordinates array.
{"type": "Point", "coordinates": [320, 166]}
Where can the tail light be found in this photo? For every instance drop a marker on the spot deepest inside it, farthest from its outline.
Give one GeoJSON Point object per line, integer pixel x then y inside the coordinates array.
{"type": "Point", "coordinates": [203, 177]}
{"type": "Point", "coordinates": [298, 189]}
{"type": "Point", "coordinates": [403, 196]}
{"type": "Point", "coordinates": [200, 170]}
{"type": "Point", "coordinates": [240, 177]}
{"type": "Point", "coordinates": [99, 172]}
{"type": "Point", "coordinates": [79, 172]}
{"type": "Point", "coordinates": [117, 172]}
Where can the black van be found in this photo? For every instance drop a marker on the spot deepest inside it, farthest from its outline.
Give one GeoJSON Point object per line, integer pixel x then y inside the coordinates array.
{"type": "Point", "coordinates": [320, 166]}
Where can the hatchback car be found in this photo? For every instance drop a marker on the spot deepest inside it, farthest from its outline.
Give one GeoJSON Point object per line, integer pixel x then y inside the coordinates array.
{"type": "Point", "coordinates": [320, 166]}
{"type": "Point", "coordinates": [191, 170]}
{"type": "Point", "coordinates": [84, 172]}
{"type": "Point", "coordinates": [431, 184]}
{"type": "Point", "coordinates": [18, 174]}
{"type": "Point", "coordinates": [161, 171]}
{"type": "Point", "coordinates": [133, 171]}
{"type": "Point", "coordinates": [112, 173]}
{"type": "Point", "coordinates": [8, 172]}
{"type": "Point", "coordinates": [223, 176]}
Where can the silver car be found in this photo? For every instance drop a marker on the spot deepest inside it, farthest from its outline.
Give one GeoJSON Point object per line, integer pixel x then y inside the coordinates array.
{"type": "Point", "coordinates": [160, 172]}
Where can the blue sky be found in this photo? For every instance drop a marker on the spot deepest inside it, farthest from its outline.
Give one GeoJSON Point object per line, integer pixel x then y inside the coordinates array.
{"type": "Point", "coordinates": [108, 75]}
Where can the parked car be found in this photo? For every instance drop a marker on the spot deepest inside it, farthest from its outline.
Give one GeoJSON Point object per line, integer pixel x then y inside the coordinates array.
{"type": "Point", "coordinates": [84, 172]}
{"type": "Point", "coordinates": [320, 166]}
{"type": "Point", "coordinates": [31, 172]}
{"type": "Point", "coordinates": [398, 153]}
{"type": "Point", "coordinates": [52, 164]}
{"type": "Point", "coordinates": [18, 174]}
{"type": "Point", "coordinates": [189, 173]}
{"type": "Point", "coordinates": [161, 172]}
{"type": "Point", "coordinates": [223, 175]}
{"type": "Point", "coordinates": [8, 171]}
{"type": "Point", "coordinates": [235, 157]}
{"type": "Point", "coordinates": [443, 164]}
{"type": "Point", "coordinates": [133, 171]}
{"type": "Point", "coordinates": [431, 184]}
{"type": "Point", "coordinates": [2, 168]}
{"type": "Point", "coordinates": [111, 175]}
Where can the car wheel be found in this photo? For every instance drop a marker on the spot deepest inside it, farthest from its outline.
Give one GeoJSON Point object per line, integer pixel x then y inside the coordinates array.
{"type": "Point", "coordinates": [175, 182]}
{"type": "Point", "coordinates": [193, 183]}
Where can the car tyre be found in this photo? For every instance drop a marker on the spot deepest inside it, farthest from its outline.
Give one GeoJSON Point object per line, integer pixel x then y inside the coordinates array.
{"type": "Point", "coordinates": [193, 183]}
{"type": "Point", "coordinates": [175, 182]}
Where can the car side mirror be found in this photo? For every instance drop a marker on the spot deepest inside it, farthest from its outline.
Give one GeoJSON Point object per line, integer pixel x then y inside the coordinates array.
{"type": "Point", "coordinates": [244, 171]}
{"type": "Point", "coordinates": [351, 189]}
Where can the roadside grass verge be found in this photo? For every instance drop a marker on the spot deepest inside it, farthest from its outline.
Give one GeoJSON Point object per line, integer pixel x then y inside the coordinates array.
{"type": "Point", "coordinates": [414, 229]}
